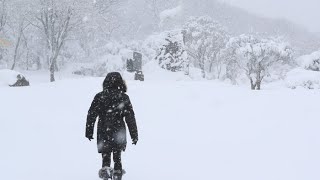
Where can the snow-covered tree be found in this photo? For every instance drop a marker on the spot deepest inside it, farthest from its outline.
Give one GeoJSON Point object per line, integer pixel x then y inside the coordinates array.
{"type": "Point", "coordinates": [172, 55]}
{"type": "Point", "coordinates": [311, 61]}
{"type": "Point", "coordinates": [229, 57]}
{"type": "Point", "coordinates": [204, 39]}
{"type": "Point", "coordinates": [257, 56]}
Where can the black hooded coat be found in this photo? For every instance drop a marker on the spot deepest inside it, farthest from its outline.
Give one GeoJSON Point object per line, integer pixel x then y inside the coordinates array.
{"type": "Point", "coordinates": [114, 109]}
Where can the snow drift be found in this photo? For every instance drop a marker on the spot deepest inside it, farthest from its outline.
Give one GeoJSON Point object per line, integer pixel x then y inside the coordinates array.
{"type": "Point", "coordinates": [187, 130]}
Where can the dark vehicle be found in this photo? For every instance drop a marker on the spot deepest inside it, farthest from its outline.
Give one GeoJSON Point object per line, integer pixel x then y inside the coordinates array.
{"type": "Point", "coordinates": [138, 76]}
{"type": "Point", "coordinates": [135, 62]}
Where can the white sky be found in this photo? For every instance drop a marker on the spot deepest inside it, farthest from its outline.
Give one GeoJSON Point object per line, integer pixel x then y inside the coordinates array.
{"type": "Point", "coordinates": [303, 12]}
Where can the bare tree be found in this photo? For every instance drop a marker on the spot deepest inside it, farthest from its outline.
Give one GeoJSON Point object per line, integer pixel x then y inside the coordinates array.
{"type": "Point", "coordinates": [54, 21]}
{"type": "Point", "coordinates": [22, 25]}
{"type": "Point", "coordinates": [105, 15]}
{"type": "Point", "coordinates": [3, 14]}
{"type": "Point", "coordinates": [99, 25]}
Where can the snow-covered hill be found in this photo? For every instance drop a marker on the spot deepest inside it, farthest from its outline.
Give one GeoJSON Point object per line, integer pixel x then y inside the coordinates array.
{"type": "Point", "coordinates": [188, 130]}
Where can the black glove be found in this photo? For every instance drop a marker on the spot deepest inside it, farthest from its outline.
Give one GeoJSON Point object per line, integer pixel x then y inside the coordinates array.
{"type": "Point", "coordinates": [90, 138]}
{"type": "Point", "coordinates": [134, 141]}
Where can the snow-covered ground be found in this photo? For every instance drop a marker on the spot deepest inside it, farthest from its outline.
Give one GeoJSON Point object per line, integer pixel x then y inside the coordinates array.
{"type": "Point", "coordinates": [188, 130]}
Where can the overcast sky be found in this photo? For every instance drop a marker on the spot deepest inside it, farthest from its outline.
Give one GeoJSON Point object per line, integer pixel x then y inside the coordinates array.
{"type": "Point", "coordinates": [303, 12]}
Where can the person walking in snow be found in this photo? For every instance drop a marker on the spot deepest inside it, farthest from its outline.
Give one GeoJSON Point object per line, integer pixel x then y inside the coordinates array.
{"type": "Point", "coordinates": [114, 109]}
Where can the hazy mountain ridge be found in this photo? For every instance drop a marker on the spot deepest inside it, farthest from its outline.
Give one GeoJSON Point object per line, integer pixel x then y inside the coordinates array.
{"type": "Point", "coordinates": [141, 18]}
{"type": "Point", "coordinates": [239, 21]}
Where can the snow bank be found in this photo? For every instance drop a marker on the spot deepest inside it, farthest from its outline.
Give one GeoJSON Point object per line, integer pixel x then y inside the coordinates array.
{"type": "Point", "coordinates": [187, 130]}
{"type": "Point", "coordinates": [301, 78]}
{"type": "Point", "coordinates": [153, 72]}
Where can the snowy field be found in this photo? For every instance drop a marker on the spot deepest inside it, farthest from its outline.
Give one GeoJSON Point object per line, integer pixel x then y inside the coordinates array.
{"type": "Point", "coordinates": [188, 130]}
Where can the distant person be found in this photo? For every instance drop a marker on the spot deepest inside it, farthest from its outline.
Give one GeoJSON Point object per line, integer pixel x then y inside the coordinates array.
{"type": "Point", "coordinates": [114, 109]}
{"type": "Point", "coordinates": [21, 81]}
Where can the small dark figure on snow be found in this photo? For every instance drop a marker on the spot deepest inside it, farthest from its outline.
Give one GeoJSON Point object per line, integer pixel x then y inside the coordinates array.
{"type": "Point", "coordinates": [114, 109]}
{"type": "Point", "coordinates": [21, 81]}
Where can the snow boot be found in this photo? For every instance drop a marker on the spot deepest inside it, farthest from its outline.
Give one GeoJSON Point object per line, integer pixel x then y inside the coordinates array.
{"type": "Point", "coordinates": [105, 173]}
{"type": "Point", "coordinates": [117, 174]}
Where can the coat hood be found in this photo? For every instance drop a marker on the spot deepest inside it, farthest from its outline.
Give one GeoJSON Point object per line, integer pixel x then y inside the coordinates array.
{"type": "Point", "coordinates": [114, 82]}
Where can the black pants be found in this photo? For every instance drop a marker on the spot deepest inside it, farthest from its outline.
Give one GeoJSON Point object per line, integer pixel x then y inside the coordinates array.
{"type": "Point", "coordinates": [106, 159]}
